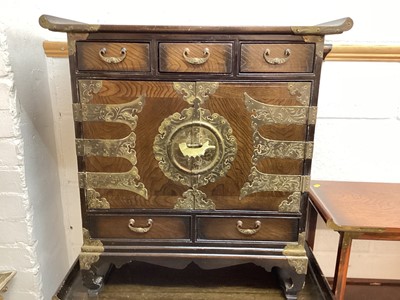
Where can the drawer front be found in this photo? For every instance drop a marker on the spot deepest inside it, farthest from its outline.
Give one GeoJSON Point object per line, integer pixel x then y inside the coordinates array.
{"type": "Point", "coordinates": [125, 57]}
{"type": "Point", "coordinates": [140, 227]}
{"type": "Point", "coordinates": [195, 57]}
{"type": "Point", "coordinates": [276, 58]}
{"type": "Point", "coordinates": [247, 228]}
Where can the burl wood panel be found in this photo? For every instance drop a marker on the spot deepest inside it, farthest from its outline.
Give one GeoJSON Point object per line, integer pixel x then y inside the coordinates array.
{"type": "Point", "coordinates": [136, 60]}
{"type": "Point", "coordinates": [162, 101]}
{"type": "Point", "coordinates": [224, 228]}
{"type": "Point", "coordinates": [171, 57]}
{"type": "Point", "coordinates": [301, 58]}
{"type": "Point", "coordinates": [170, 227]}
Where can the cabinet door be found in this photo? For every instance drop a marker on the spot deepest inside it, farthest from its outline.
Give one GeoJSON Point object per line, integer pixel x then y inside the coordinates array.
{"type": "Point", "coordinates": [270, 123]}
{"type": "Point", "coordinates": [192, 145]}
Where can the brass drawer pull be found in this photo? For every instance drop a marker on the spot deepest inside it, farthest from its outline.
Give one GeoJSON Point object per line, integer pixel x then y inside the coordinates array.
{"type": "Point", "coordinates": [248, 231]}
{"type": "Point", "coordinates": [132, 227]}
{"type": "Point", "coordinates": [276, 60]}
{"type": "Point", "coordinates": [196, 60]}
{"type": "Point", "coordinates": [112, 59]}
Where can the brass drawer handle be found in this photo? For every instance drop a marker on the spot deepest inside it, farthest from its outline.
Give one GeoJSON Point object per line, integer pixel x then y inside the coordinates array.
{"type": "Point", "coordinates": [132, 227]}
{"type": "Point", "coordinates": [112, 59]}
{"type": "Point", "coordinates": [196, 60]}
{"type": "Point", "coordinates": [248, 231]}
{"type": "Point", "coordinates": [276, 60]}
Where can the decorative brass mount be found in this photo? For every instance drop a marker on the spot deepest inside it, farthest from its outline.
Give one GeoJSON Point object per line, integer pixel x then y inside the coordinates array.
{"type": "Point", "coordinates": [266, 114]}
{"type": "Point", "coordinates": [296, 255]}
{"type": "Point", "coordinates": [91, 251]}
{"type": "Point", "coordinates": [262, 182]}
{"type": "Point", "coordinates": [195, 146]}
{"type": "Point", "coordinates": [125, 113]}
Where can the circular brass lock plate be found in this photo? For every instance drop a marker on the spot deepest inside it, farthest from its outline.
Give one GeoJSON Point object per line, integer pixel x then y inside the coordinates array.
{"type": "Point", "coordinates": [195, 150]}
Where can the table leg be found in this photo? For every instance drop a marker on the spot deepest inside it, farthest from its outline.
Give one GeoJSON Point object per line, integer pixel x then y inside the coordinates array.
{"type": "Point", "coordinates": [342, 264]}
{"type": "Point", "coordinates": [311, 224]}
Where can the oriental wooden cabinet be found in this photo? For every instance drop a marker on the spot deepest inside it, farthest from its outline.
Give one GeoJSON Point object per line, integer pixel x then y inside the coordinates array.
{"type": "Point", "coordinates": [194, 144]}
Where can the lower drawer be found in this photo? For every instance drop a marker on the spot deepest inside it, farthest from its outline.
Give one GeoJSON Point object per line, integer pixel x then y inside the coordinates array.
{"type": "Point", "coordinates": [140, 227]}
{"type": "Point", "coordinates": [247, 228]}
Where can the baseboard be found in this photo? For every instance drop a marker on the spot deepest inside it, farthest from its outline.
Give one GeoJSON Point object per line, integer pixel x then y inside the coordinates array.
{"type": "Point", "coordinates": [369, 281]}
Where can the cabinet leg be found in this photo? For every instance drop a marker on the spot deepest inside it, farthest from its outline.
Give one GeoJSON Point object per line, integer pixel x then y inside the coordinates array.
{"type": "Point", "coordinates": [291, 282]}
{"type": "Point", "coordinates": [93, 282]}
{"type": "Point", "coordinates": [94, 278]}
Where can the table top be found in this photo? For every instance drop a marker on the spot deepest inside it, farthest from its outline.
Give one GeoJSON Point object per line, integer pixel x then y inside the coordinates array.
{"type": "Point", "coordinates": [358, 206]}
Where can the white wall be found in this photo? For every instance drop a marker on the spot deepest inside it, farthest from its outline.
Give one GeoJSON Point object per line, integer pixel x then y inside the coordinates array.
{"type": "Point", "coordinates": [356, 135]}
{"type": "Point", "coordinates": [31, 227]}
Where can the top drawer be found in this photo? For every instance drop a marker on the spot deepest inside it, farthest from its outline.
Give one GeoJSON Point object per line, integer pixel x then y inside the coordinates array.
{"type": "Point", "coordinates": [195, 57]}
{"type": "Point", "coordinates": [276, 58]}
{"type": "Point", "coordinates": [125, 57]}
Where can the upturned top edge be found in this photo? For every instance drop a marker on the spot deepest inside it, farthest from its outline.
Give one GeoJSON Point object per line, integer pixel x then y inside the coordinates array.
{"type": "Point", "coordinates": [53, 23]}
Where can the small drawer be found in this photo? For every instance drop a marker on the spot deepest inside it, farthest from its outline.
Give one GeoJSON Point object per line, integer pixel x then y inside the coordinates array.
{"type": "Point", "coordinates": [248, 228]}
{"type": "Point", "coordinates": [195, 57]}
{"type": "Point", "coordinates": [125, 57]}
{"type": "Point", "coordinates": [277, 58]}
{"type": "Point", "coordinates": [140, 227]}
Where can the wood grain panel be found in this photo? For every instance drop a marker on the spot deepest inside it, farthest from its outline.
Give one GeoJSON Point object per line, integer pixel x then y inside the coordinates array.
{"type": "Point", "coordinates": [301, 58]}
{"type": "Point", "coordinates": [224, 228]}
{"type": "Point", "coordinates": [161, 101]}
{"type": "Point", "coordinates": [273, 93]}
{"type": "Point", "coordinates": [136, 60]}
{"type": "Point", "coordinates": [228, 101]}
{"type": "Point", "coordinates": [171, 57]}
{"type": "Point", "coordinates": [164, 227]}
{"type": "Point", "coordinates": [266, 201]}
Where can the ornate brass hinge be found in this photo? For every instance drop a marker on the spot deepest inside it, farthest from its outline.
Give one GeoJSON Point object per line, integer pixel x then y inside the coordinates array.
{"type": "Point", "coordinates": [263, 182]}
{"type": "Point", "coordinates": [125, 113]}
{"type": "Point", "coordinates": [275, 114]}
{"type": "Point", "coordinates": [264, 147]}
{"type": "Point", "coordinates": [124, 147]}
{"type": "Point", "coordinates": [119, 181]}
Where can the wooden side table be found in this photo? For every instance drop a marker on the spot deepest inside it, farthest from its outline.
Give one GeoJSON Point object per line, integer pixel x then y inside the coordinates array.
{"type": "Point", "coordinates": [356, 210]}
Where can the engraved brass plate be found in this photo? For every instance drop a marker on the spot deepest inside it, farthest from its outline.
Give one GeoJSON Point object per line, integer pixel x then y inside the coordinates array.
{"type": "Point", "coordinates": [199, 91]}
{"type": "Point", "coordinates": [283, 149]}
{"type": "Point", "coordinates": [125, 113]}
{"type": "Point", "coordinates": [120, 181]}
{"type": "Point", "coordinates": [302, 90]}
{"type": "Point", "coordinates": [296, 255]}
{"type": "Point", "coordinates": [194, 199]}
{"type": "Point", "coordinates": [124, 147]}
{"type": "Point", "coordinates": [87, 88]}
{"type": "Point", "coordinates": [274, 114]}
{"type": "Point", "coordinates": [94, 201]}
{"type": "Point", "coordinates": [291, 204]}
{"type": "Point", "coordinates": [91, 250]}
{"type": "Point", "coordinates": [194, 147]}
{"type": "Point", "coordinates": [262, 182]}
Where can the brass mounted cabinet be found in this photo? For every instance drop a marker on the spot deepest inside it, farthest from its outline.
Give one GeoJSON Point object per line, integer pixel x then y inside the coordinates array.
{"type": "Point", "coordinates": [194, 144]}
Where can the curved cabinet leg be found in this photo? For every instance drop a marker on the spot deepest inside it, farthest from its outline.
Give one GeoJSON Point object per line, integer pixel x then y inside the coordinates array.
{"type": "Point", "coordinates": [94, 272]}
{"type": "Point", "coordinates": [291, 282]}
{"type": "Point", "coordinates": [92, 281]}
